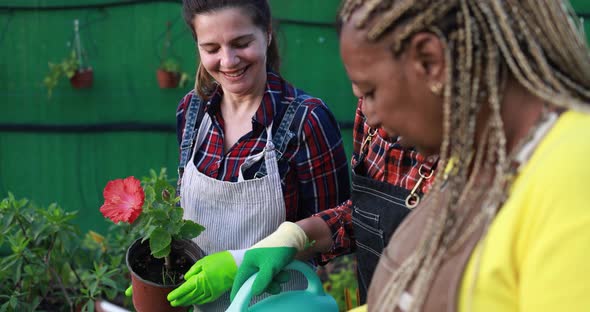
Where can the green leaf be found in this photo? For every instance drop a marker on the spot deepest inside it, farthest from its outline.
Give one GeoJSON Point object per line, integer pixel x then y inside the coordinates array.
{"type": "Point", "coordinates": [160, 243]}
{"type": "Point", "coordinates": [149, 230]}
{"type": "Point", "coordinates": [190, 229]}
{"type": "Point", "coordinates": [176, 214]}
{"type": "Point", "coordinates": [159, 187]}
{"type": "Point", "coordinates": [36, 302]}
{"type": "Point", "coordinates": [109, 282]}
{"type": "Point", "coordinates": [13, 302]}
{"type": "Point", "coordinates": [162, 253]}
{"type": "Point", "coordinates": [91, 306]}
{"type": "Point", "coordinates": [160, 215]}
{"type": "Point", "coordinates": [110, 293]}
{"type": "Point", "coordinates": [150, 195]}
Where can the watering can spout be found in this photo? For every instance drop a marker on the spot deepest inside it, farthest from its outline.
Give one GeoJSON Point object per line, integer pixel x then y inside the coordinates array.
{"type": "Point", "coordinates": [311, 299]}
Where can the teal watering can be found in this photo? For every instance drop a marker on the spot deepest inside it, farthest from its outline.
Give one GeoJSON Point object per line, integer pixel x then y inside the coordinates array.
{"type": "Point", "coordinates": [312, 299]}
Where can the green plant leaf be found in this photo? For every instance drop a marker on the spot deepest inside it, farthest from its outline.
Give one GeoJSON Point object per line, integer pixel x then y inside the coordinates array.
{"type": "Point", "coordinates": [162, 253]}
{"type": "Point", "coordinates": [159, 215]}
{"type": "Point", "coordinates": [7, 219]}
{"type": "Point", "coordinates": [160, 243]}
{"type": "Point", "coordinates": [190, 230]}
{"type": "Point", "coordinates": [150, 195]}
{"type": "Point", "coordinates": [13, 302]}
{"type": "Point", "coordinates": [170, 65]}
{"type": "Point", "coordinates": [176, 214]}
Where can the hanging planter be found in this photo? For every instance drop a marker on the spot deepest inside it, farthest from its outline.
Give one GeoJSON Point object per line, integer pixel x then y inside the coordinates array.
{"type": "Point", "coordinates": [167, 79]}
{"type": "Point", "coordinates": [74, 67]}
{"type": "Point", "coordinates": [168, 73]}
{"type": "Point", "coordinates": [82, 78]}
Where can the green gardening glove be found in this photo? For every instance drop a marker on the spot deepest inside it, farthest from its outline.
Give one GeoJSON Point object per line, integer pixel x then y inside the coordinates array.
{"type": "Point", "coordinates": [268, 257]}
{"type": "Point", "coordinates": [206, 280]}
{"type": "Point", "coordinates": [219, 267]}
{"type": "Point", "coordinates": [129, 291]}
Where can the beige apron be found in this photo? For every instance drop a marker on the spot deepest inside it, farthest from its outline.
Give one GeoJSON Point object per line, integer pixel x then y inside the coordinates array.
{"type": "Point", "coordinates": [235, 215]}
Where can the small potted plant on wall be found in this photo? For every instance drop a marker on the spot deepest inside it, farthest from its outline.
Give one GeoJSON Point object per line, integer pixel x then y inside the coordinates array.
{"type": "Point", "coordinates": [74, 67]}
{"type": "Point", "coordinates": [158, 259]}
{"type": "Point", "coordinates": [80, 77]}
{"type": "Point", "coordinates": [169, 74]}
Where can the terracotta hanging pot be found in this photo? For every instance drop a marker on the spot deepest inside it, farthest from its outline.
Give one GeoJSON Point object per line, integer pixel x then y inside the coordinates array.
{"type": "Point", "coordinates": [149, 294]}
{"type": "Point", "coordinates": [82, 78]}
{"type": "Point", "coordinates": [167, 79]}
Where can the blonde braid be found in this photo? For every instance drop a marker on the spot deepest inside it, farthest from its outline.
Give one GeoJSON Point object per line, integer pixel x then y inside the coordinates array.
{"type": "Point", "coordinates": [534, 41]}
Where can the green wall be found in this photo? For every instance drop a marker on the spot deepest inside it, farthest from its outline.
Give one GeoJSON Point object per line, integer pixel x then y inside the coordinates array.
{"type": "Point", "coordinates": [582, 7]}
{"type": "Point", "coordinates": [124, 43]}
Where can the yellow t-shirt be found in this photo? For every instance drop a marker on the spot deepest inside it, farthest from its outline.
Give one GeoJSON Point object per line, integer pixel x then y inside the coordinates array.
{"type": "Point", "coordinates": [536, 255]}
{"type": "Point", "coordinates": [362, 308]}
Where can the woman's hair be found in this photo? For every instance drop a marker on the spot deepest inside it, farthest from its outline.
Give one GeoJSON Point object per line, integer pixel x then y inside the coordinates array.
{"type": "Point", "coordinates": [538, 42]}
{"type": "Point", "coordinates": [258, 10]}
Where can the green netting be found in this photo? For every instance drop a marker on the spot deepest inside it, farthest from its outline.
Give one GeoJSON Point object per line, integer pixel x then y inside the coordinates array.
{"type": "Point", "coordinates": [124, 46]}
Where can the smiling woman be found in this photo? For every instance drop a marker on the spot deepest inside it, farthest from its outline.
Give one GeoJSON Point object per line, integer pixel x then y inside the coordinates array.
{"type": "Point", "coordinates": [255, 151]}
{"type": "Point", "coordinates": [233, 51]}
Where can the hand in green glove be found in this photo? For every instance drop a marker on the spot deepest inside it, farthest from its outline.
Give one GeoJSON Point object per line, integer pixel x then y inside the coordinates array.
{"type": "Point", "coordinates": [268, 257]}
{"type": "Point", "coordinates": [206, 280]}
{"type": "Point", "coordinates": [129, 291]}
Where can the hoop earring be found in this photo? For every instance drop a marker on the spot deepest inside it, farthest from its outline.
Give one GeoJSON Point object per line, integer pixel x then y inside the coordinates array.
{"type": "Point", "coordinates": [437, 88]}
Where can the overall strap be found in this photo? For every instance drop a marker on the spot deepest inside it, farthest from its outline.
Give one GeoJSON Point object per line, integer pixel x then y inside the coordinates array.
{"type": "Point", "coordinates": [284, 134]}
{"type": "Point", "coordinates": [189, 133]}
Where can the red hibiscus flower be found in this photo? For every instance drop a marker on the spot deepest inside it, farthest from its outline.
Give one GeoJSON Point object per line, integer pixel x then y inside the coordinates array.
{"type": "Point", "coordinates": [123, 200]}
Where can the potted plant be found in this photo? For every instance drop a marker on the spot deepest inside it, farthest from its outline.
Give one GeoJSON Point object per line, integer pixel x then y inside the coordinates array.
{"type": "Point", "coordinates": [80, 77]}
{"type": "Point", "coordinates": [158, 259]}
{"type": "Point", "coordinates": [49, 265]}
{"type": "Point", "coordinates": [168, 74]}
{"type": "Point", "coordinates": [74, 67]}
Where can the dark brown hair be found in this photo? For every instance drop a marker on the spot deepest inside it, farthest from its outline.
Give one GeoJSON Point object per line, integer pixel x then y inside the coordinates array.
{"type": "Point", "coordinates": [259, 11]}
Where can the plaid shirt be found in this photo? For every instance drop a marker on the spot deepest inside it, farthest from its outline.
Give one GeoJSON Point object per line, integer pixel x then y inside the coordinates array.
{"type": "Point", "coordinates": [384, 161]}
{"type": "Point", "coordinates": [314, 176]}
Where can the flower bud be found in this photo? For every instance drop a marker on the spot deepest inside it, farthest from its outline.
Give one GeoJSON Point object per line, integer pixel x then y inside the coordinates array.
{"type": "Point", "coordinates": [166, 194]}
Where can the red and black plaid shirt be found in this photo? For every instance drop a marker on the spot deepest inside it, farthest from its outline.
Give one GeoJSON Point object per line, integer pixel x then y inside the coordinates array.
{"type": "Point", "coordinates": [314, 177]}
{"type": "Point", "coordinates": [384, 161]}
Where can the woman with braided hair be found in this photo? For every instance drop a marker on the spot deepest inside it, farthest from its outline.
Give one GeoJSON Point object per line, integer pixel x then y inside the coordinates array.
{"type": "Point", "coordinates": [500, 89]}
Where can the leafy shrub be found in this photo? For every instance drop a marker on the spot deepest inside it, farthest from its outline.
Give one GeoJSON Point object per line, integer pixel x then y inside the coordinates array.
{"type": "Point", "coordinates": [341, 277]}
{"type": "Point", "coordinates": [48, 265]}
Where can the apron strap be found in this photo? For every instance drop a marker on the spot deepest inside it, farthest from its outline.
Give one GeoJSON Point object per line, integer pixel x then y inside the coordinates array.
{"type": "Point", "coordinates": [284, 134]}
{"type": "Point", "coordinates": [191, 116]}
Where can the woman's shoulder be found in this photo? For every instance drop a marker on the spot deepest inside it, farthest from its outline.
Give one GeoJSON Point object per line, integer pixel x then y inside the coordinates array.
{"type": "Point", "coordinates": [308, 100]}
{"type": "Point", "coordinates": [310, 108]}
{"type": "Point", "coordinates": [313, 109]}
{"type": "Point", "coordinates": [292, 93]}
{"type": "Point", "coordinates": [184, 102]}
{"type": "Point", "coordinates": [558, 165]}
{"type": "Point", "coordinates": [566, 144]}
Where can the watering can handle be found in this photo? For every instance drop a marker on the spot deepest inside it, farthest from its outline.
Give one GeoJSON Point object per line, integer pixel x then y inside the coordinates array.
{"type": "Point", "coordinates": [244, 296]}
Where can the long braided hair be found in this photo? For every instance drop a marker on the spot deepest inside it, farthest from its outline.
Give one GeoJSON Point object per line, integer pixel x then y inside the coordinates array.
{"type": "Point", "coordinates": [538, 42]}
